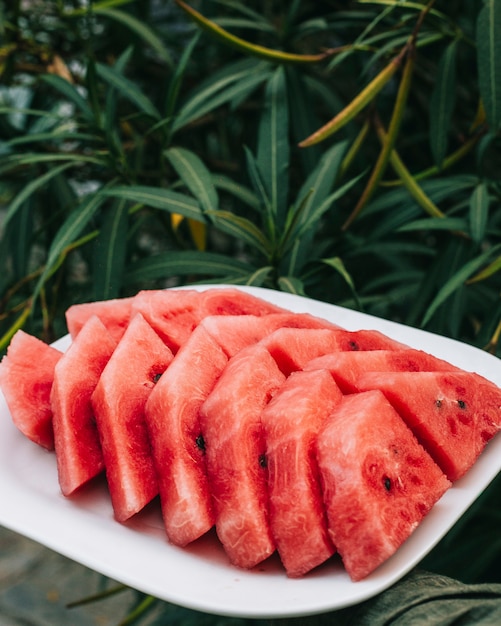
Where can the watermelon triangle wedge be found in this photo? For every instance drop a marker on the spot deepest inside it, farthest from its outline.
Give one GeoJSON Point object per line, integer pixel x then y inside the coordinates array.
{"type": "Point", "coordinates": [291, 423]}
{"type": "Point", "coordinates": [178, 449]}
{"type": "Point", "coordinates": [453, 414]}
{"type": "Point", "coordinates": [234, 444]}
{"type": "Point", "coordinates": [27, 388]}
{"type": "Point", "coordinates": [118, 401]}
{"type": "Point", "coordinates": [378, 481]}
{"type": "Point", "coordinates": [78, 448]}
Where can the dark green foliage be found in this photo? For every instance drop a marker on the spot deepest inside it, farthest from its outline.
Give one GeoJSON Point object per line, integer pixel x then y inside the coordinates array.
{"type": "Point", "coordinates": [139, 150]}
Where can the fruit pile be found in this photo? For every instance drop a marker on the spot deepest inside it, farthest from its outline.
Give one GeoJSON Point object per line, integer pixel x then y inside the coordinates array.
{"type": "Point", "coordinates": [281, 429]}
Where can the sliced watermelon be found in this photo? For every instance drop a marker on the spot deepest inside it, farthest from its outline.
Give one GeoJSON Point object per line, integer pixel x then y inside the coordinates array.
{"type": "Point", "coordinates": [347, 367]}
{"type": "Point", "coordinates": [172, 417]}
{"type": "Point", "coordinates": [378, 481]}
{"type": "Point", "coordinates": [174, 313]}
{"type": "Point", "coordinates": [293, 348]}
{"type": "Point", "coordinates": [234, 332]}
{"type": "Point", "coordinates": [114, 314]}
{"type": "Point", "coordinates": [234, 443]}
{"type": "Point", "coordinates": [452, 414]}
{"type": "Point", "coordinates": [291, 423]}
{"type": "Point", "coordinates": [26, 377]}
{"type": "Point", "coordinates": [118, 402]}
{"type": "Point", "coordinates": [78, 449]}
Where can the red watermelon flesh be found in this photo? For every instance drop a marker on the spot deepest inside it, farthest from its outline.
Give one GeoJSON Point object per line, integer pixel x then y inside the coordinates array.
{"type": "Point", "coordinates": [234, 444]}
{"type": "Point", "coordinates": [291, 423]}
{"type": "Point", "coordinates": [26, 377]}
{"type": "Point", "coordinates": [114, 314]}
{"type": "Point", "coordinates": [118, 401]}
{"type": "Point", "coordinates": [293, 348]}
{"type": "Point", "coordinates": [347, 367]}
{"type": "Point", "coordinates": [452, 414]}
{"type": "Point", "coordinates": [378, 481]}
{"type": "Point", "coordinates": [172, 417]}
{"type": "Point", "coordinates": [78, 449]}
{"type": "Point", "coordinates": [234, 332]}
{"type": "Point", "coordinates": [174, 313]}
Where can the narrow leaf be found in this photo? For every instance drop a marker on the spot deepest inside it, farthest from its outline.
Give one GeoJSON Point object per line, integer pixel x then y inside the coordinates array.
{"type": "Point", "coordinates": [195, 176]}
{"type": "Point", "coordinates": [458, 280]}
{"type": "Point", "coordinates": [69, 91]}
{"type": "Point", "coordinates": [68, 232]}
{"type": "Point", "coordinates": [111, 245]}
{"type": "Point", "coordinates": [186, 262]}
{"type": "Point", "coordinates": [138, 27]}
{"type": "Point", "coordinates": [291, 284]}
{"type": "Point", "coordinates": [244, 46]}
{"type": "Point", "coordinates": [442, 103]}
{"type": "Point", "coordinates": [489, 60]}
{"type": "Point", "coordinates": [479, 211]}
{"type": "Point", "coordinates": [30, 189]}
{"type": "Point", "coordinates": [273, 145]}
{"type": "Point", "coordinates": [221, 89]}
{"type": "Point", "coordinates": [127, 89]}
{"type": "Point", "coordinates": [158, 198]}
{"type": "Point", "coordinates": [242, 229]}
{"type": "Point", "coordinates": [366, 96]}
{"type": "Point", "coordinates": [337, 264]}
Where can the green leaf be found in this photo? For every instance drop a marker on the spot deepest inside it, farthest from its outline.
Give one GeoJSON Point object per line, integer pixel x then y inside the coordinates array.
{"type": "Point", "coordinates": [479, 211]}
{"type": "Point", "coordinates": [291, 284]}
{"type": "Point", "coordinates": [221, 88]}
{"type": "Point", "coordinates": [67, 233]}
{"type": "Point", "coordinates": [273, 146]}
{"type": "Point", "coordinates": [243, 194]}
{"type": "Point", "coordinates": [69, 91]}
{"type": "Point", "coordinates": [436, 223]}
{"type": "Point", "coordinates": [195, 175]}
{"type": "Point", "coordinates": [30, 189]}
{"type": "Point", "coordinates": [242, 229]}
{"type": "Point", "coordinates": [175, 81]}
{"type": "Point", "coordinates": [127, 89]}
{"type": "Point", "coordinates": [138, 27]}
{"type": "Point", "coordinates": [458, 280]}
{"type": "Point", "coordinates": [186, 262]}
{"type": "Point", "coordinates": [489, 60]}
{"type": "Point", "coordinates": [442, 103]}
{"type": "Point", "coordinates": [158, 198]}
{"type": "Point", "coordinates": [110, 249]}
{"type": "Point", "coordinates": [257, 182]}
{"type": "Point", "coordinates": [337, 264]}
{"type": "Point", "coordinates": [15, 160]}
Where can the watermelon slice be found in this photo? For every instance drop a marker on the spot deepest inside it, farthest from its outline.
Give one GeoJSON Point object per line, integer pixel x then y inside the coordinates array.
{"type": "Point", "coordinates": [114, 314]}
{"type": "Point", "coordinates": [172, 417]}
{"type": "Point", "coordinates": [78, 449]}
{"type": "Point", "coordinates": [378, 481]}
{"type": "Point", "coordinates": [234, 443]}
{"type": "Point", "coordinates": [347, 367]}
{"type": "Point", "coordinates": [118, 402]}
{"type": "Point", "coordinates": [174, 313]}
{"type": "Point", "coordinates": [291, 423]}
{"type": "Point", "coordinates": [234, 332]}
{"type": "Point", "coordinates": [26, 377]}
{"type": "Point", "coordinates": [452, 414]}
{"type": "Point", "coordinates": [293, 348]}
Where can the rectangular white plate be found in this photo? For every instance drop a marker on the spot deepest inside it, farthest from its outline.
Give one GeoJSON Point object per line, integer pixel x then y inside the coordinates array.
{"type": "Point", "coordinates": [200, 577]}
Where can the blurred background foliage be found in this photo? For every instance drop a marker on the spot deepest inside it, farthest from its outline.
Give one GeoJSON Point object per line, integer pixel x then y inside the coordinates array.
{"type": "Point", "coordinates": [347, 151]}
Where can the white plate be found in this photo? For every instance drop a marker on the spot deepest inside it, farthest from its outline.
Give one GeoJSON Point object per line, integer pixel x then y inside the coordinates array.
{"type": "Point", "coordinates": [200, 577]}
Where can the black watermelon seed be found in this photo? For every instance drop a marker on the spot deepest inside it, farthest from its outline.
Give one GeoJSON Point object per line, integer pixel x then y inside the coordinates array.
{"type": "Point", "coordinates": [462, 404]}
{"type": "Point", "coordinates": [200, 443]}
{"type": "Point", "coordinates": [387, 483]}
